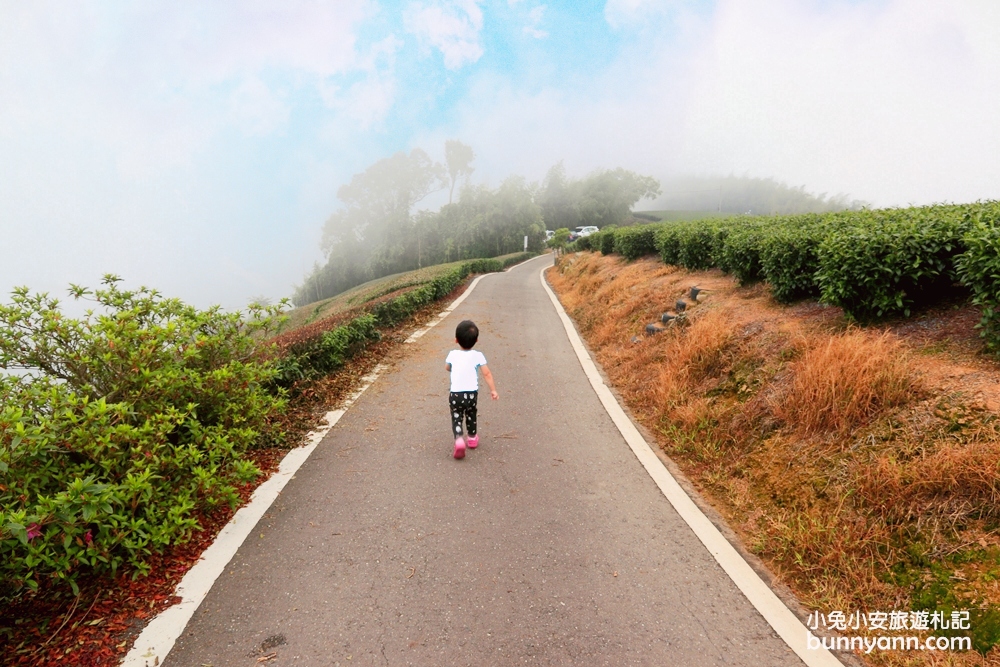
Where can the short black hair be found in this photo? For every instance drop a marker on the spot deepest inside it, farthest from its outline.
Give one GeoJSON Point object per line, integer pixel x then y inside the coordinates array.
{"type": "Point", "coordinates": [467, 334]}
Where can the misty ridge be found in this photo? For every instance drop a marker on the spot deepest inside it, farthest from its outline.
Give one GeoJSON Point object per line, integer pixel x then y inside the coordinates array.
{"type": "Point", "coordinates": [379, 232]}
{"type": "Point", "coordinates": [744, 195]}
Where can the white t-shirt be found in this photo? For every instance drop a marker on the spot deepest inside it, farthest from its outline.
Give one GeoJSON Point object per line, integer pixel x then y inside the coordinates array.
{"type": "Point", "coordinates": [464, 364]}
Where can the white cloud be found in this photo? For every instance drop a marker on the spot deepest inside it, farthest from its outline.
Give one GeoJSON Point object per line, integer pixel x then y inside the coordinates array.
{"type": "Point", "coordinates": [451, 27]}
{"type": "Point", "coordinates": [535, 17]}
{"type": "Point", "coordinates": [257, 109]}
{"type": "Point", "coordinates": [622, 13]}
{"type": "Point", "coordinates": [117, 146]}
{"type": "Point", "coordinates": [891, 102]}
{"type": "Point", "coordinates": [226, 38]}
{"type": "Point", "coordinates": [368, 102]}
{"type": "Point", "coordinates": [150, 82]}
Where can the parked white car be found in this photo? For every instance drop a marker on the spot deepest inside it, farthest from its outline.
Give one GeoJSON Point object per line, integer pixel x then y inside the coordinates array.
{"type": "Point", "coordinates": [582, 231]}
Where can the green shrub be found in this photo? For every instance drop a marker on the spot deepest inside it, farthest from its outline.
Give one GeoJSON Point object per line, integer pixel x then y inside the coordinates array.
{"type": "Point", "coordinates": [585, 242]}
{"type": "Point", "coordinates": [668, 243]}
{"type": "Point", "coordinates": [326, 352]}
{"type": "Point", "coordinates": [405, 305]}
{"type": "Point", "coordinates": [979, 269]}
{"type": "Point", "coordinates": [877, 263]}
{"type": "Point", "coordinates": [560, 239]}
{"type": "Point", "coordinates": [696, 242]}
{"type": "Point", "coordinates": [128, 422]}
{"type": "Point", "coordinates": [719, 231]}
{"type": "Point", "coordinates": [446, 283]}
{"type": "Point", "coordinates": [740, 250]}
{"type": "Point", "coordinates": [607, 241]}
{"type": "Point", "coordinates": [635, 242]}
{"type": "Point", "coordinates": [789, 260]}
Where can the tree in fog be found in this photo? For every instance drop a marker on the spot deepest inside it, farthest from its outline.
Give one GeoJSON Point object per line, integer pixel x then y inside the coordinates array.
{"type": "Point", "coordinates": [495, 222]}
{"type": "Point", "coordinates": [603, 198]}
{"type": "Point", "coordinates": [607, 197]}
{"type": "Point", "coordinates": [377, 233]}
{"type": "Point", "coordinates": [557, 200]}
{"type": "Point", "coordinates": [367, 236]}
{"type": "Point", "coordinates": [458, 159]}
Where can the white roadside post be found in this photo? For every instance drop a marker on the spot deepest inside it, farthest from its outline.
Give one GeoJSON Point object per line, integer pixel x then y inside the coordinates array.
{"type": "Point", "coordinates": [525, 244]}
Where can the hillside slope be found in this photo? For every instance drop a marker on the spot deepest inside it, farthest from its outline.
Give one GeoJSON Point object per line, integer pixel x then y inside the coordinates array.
{"type": "Point", "coordinates": [357, 297]}
{"type": "Point", "coordinates": [863, 465]}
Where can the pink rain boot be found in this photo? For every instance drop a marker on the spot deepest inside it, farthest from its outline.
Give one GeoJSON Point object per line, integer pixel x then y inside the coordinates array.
{"type": "Point", "coordinates": [474, 441]}
{"type": "Point", "coordinates": [459, 448]}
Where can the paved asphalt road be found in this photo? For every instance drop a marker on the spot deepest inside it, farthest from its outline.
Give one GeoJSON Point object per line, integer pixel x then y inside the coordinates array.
{"type": "Point", "coordinates": [547, 545]}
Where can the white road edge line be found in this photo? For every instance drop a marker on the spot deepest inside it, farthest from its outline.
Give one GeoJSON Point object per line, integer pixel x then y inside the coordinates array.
{"type": "Point", "coordinates": [760, 595]}
{"type": "Point", "coordinates": [455, 304]}
{"type": "Point", "coordinates": [446, 312]}
{"type": "Point", "coordinates": [158, 637]}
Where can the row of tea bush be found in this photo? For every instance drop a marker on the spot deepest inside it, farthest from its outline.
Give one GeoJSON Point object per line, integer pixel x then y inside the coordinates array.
{"type": "Point", "coordinates": [871, 263]}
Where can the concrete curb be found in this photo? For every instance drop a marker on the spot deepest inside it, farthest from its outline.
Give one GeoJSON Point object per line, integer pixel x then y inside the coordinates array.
{"type": "Point", "coordinates": [157, 639]}
{"type": "Point", "coordinates": [784, 622]}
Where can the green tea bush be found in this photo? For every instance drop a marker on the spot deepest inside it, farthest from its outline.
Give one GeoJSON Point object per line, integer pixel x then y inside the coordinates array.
{"type": "Point", "coordinates": [668, 243]}
{"type": "Point", "coordinates": [740, 251]}
{"type": "Point", "coordinates": [719, 231]}
{"type": "Point", "coordinates": [789, 260]}
{"type": "Point", "coordinates": [585, 242]}
{"type": "Point", "coordinates": [122, 426]}
{"type": "Point", "coordinates": [607, 241]}
{"type": "Point", "coordinates": [395, 311]}
{"type": "Point", "coordinates": [635, 242]}
{"type": "Point", "coordinates": [392, 312]}
{"type": "Point", "coordinates": [327, 352]}
{"type": "Point", "coordinates": [873, 264]}
{"type": "Point", "coordinates": [879, 263]}
{"type": "Point", "coordinates": [696, 242]}
{"type": "Point", "coordinates": [979, 269]}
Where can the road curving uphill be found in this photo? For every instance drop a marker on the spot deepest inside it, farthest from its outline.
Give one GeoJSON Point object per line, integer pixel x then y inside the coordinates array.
{"type": "Point", "coordinates": [548, 544]}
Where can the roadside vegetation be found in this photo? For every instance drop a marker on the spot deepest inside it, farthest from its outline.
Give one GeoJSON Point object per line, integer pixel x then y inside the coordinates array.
{"type": "Point", "coordinates": [322, 346]}
{"type": "Point", "coordinates": [853, 444]}
{"type": "Point", "coordinates": [358, 296]}
{"type": "Point", "coordinates": [873, 264]}
{"type": "Point", "coordinates": [129, 436]}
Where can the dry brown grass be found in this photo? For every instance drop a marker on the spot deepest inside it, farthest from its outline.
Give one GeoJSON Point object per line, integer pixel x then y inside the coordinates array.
{"type": "Point", "coordinates": [842, 381]}
{"type": "Point", "coordinates": [833, 451]}
{"type": "Point", "coordinates": [952, 478]}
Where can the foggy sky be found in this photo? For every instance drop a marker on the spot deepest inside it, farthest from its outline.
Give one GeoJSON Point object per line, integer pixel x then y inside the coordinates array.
{"type": "Point", "coordinates": [198, 149]}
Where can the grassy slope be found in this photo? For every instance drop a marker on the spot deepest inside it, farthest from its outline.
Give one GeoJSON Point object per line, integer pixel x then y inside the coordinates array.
{"type": "Point", "coordinates": [356, 297]}
{"type": "Point", "coordinates": [863, 465]}
{"type": "Point", "coordinates": [361, 294]}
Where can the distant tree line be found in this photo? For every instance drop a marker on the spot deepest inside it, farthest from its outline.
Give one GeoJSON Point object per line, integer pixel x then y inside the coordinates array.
{"type": "Point", "coordinates": [745, 195]}
{"type": "Point", "coordinates": [377, 232]}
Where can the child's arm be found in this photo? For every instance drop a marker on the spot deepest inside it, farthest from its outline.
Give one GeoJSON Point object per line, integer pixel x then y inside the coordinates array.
{"type": "Point", "coordinates": [447, 367]}
{"type": "Point", "coordinates": [489, 381]}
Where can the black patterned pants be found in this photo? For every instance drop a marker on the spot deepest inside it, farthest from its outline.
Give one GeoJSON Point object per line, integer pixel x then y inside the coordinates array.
{"type": "Point", "coordinates": [463, 404]}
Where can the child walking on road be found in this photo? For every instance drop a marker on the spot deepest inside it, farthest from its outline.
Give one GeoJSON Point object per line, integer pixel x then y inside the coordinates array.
{"type": "Point", "coordinates": [463, 364]}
